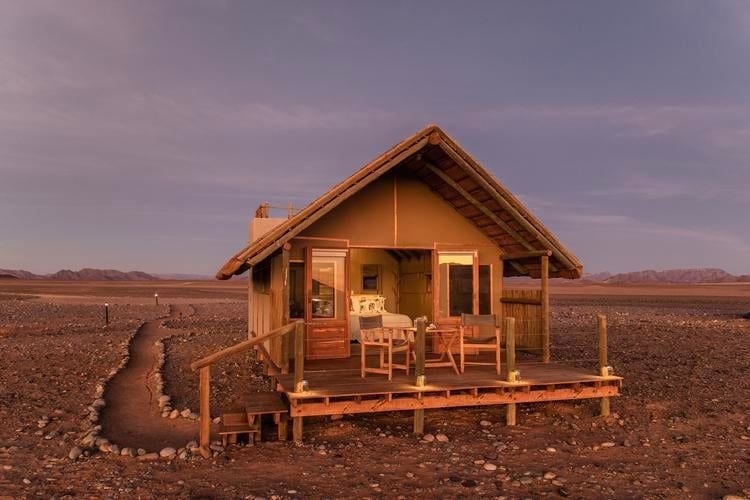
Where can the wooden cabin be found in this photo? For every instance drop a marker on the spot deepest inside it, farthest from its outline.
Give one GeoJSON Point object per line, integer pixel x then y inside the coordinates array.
{"type": "Point", "coordinates": [422, 231]}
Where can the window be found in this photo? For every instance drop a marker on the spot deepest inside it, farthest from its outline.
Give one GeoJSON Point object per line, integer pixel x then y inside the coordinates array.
{"type": "Point", "coordinates": [370, 278]}
{"type": "Point", "coordinates": [328, 286]}
{"type": "Point", "coordinates": [458, 287]}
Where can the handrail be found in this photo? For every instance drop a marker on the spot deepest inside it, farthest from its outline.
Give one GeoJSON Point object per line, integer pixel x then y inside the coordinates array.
{"type": "Point", "coordinates": [242, 346]}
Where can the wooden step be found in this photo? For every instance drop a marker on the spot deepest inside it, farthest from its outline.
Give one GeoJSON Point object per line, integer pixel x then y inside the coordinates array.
{"type": "Point", "coordinates": [264, 403]}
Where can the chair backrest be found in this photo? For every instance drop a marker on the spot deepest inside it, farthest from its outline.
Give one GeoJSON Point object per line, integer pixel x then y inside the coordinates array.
{"type": "Point", "coordinates": [484, 324]}
{"type": "Point", "coordinates": [370, 322]}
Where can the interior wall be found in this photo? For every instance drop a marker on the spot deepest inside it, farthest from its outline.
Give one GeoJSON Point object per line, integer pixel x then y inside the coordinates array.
{"type": "Point", "coordinates": [415, 291]}
{"type": "Point", "coordinates": [388, 273]}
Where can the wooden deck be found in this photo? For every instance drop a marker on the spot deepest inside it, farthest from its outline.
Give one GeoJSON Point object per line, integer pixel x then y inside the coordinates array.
{"type": "Point", "coordinates": [338, 388]}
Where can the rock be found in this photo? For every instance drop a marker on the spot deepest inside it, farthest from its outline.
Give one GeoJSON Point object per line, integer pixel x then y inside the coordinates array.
{"type": "Point", "coordinates": [183, 455]}
{"type": "Point", "coordinates": [74, 453]}
{"type": "Point", "coordinates": [141, 452]}
{"type": "Point", "coordinates": [428, 437]}
{"type": "Point", "coordinates": [562, 491]}
{"type": "Point", "coordinates": [163, 400]}
{"type": "Point", "coordinates": [217, 420]}
{"type": "Point", "coordinates": [193, 416]}
{"type": "Point", "coordinates": [167, 452]}
{"type": "Point", "coordinates": [216, 447]}
{"type": "Point", "coordinates": [99, 403]}
{"type": "Point", "coordinates": [485, 423]}
{"type": "Point", "coordinates": [550, 449]}
{"type": "Point", "coordinates": [174, 414]}
{"type": "Point", "coordinates": [185, 413]}
{"type": "Point", "coordinates": [442, 438]}
{"type": "Point", "coordinates": [148, 457]}
{"type": "Point", "coordinates": [608, 444]}
{"type": "Point", "coordinates": [88, 441]}
{"type": "Point", "coordinates": [191, 445]}
{"type": "Point", "coordinates": [105, 447]}
{"type": "Point", "coordinates": [336, 417]}
{"type": "Point", "coordinates": [125, 451]}
{"type": "Point", "coordinates": [114, 449]}
{"type": "Point", "coordinates": [490, 467]}
{"type": "Point", "coordinates": [549, 476]}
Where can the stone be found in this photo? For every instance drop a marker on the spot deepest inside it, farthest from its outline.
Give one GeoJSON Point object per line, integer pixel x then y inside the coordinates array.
{"type": "Point", "coordinates": [608, 444]}
{"type": "Point", "coordinates": [485, 423]}
{"type": "Point", "coordinates": [174, 414]}
{"type": "Point", "coordinates": [105, 447]}
{"type": "Point", "coordinates": [193, 416]}
{"type": "Point", "coordinates": [167, 452]}
{"type": "Point", "coordinates": [217, 420]}
{"type": "Point", "coordinates": [74, 453]}
{"type": "Point", "coordinates": [140, 452]}
{"type": "Point", "coordinates": [88, 441]}
{"type": "Point", "coordinates": [99, 403]}
{"type": "Point", "coordinates": [442, 438]}
{"type": "Point", "coordinates": [147, 457]}
{"type": "Point", "coordinates": [191, 444]}
{"type": "Point", "coordinates": [216, 447]}
{"type": "Point", "coordinates": [428, 437]}
{"type": "Point", "coordinates": [125, 451]}
{"type": "Point", "coordinates": [490, 467]}
{"type": "Point", "coordinates": [550, 449]}
{"type": "Point", "coordinates": [185, 413]}
{"type": "Point", "coordinates": [549, 476]}
{"type": "Point", "coordinates": [114, 449]}
{"type": "Point", "coordinates": [336, 417]}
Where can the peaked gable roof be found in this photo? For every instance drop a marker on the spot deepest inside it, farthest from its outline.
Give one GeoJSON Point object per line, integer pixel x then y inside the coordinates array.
{"type": "Point", "coordinates": [459, 179]}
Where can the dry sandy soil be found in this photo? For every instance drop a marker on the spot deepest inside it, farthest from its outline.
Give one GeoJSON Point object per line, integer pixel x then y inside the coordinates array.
{"type": "Point", "coordinates": [681, 429]}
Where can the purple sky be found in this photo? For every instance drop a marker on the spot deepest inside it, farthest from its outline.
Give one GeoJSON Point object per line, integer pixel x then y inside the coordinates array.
{"type": "Point", "coordinates": [142, 135]}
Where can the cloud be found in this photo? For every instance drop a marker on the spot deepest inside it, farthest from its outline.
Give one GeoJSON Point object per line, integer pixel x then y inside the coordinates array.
{"type": "Point", "coordinates": [649, 187]}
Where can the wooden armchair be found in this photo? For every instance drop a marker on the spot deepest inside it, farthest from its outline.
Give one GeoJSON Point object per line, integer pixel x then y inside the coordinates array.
{"type": "Point", "coordinates": [479, 332]}
{"type": "Point", "coordinates": [373, 334]}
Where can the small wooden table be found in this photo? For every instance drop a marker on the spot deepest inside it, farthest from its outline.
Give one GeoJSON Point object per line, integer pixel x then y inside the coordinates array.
{"type": "Point", "coordinates": [447, 337]}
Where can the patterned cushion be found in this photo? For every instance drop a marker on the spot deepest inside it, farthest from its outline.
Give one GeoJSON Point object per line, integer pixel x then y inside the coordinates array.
{"type": "Point", "coordinates": [368, 304]}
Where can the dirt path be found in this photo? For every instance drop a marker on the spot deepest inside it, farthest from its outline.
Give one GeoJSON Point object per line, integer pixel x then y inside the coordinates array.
{"type": "Point", "coordinates": [132, 416]}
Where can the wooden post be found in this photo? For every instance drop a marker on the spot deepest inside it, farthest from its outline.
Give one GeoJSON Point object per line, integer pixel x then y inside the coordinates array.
{"type": "Point", "coordinates": [509, 325]}
{"type": "Point", "coordinates": [419, 347]}
{"type": "Point", "coordinates": [601, 326]}
{"type": "Point", "coordinates": [299, 374]}
{"type": "Point", "coordinates": [285, 340]}
{"type": "Point", "coordinates": [545, 309]}
{"type": "Point", "coordinates": [250, 296]}
{"type": "Point", "coordinates": [205, 410]}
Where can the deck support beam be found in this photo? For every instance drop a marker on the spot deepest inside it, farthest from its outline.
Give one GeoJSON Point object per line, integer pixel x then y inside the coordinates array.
{"type": "Point", "coordinates": [419, 343]}
{"type": "Point", "coordinates": [545, 309]}
{"type": "Point", "coordinates": [285, 341]}
{"type": "Point", "coordinates": [509, 325]}
{"type": "Point", "coordinates": [601, 327]}
{"type": "Point", "coordinates": [205, 410]}
{"type": "Point", "coordinates": [299, 375]}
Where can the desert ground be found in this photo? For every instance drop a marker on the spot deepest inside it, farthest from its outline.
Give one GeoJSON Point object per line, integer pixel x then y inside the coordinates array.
{"type": "Point", "coordinates": [680, 430]}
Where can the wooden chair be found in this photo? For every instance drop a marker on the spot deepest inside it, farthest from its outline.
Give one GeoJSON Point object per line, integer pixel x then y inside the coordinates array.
{"type": "Point", "coordinates": [373, 334]}
{"type": "Point", "coordinates": [481, 333]}
{"type": "Point", "coordinates": [234, 424]}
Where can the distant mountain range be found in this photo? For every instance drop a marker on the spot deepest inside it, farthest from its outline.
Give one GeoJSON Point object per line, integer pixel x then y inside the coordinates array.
{"type": "Point", "coordinates": [700, 275]}
{"type": "Point", "coordinates": [86, 274]}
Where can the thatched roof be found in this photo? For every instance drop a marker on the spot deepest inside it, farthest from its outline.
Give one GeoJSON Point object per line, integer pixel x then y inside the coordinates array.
{"type": "Point", "coordinates": [453, 174]}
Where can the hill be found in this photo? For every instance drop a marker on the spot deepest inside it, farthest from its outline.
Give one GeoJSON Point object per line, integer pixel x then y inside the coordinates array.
{"type": "Point", "coordinates": [86, 274]}
{"type": "Point", "coordinates": [699, 275]}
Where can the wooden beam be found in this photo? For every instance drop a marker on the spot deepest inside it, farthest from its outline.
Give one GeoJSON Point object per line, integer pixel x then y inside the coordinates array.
{"type": "Point", "coordinates": [601, 326]}
{"type": "Point", "coordinates": [545, 309]}
{"type": "Point", "coordinates": [419, 366]}
{"type": "Point", "coordinates": [505, 204]}
{"type": "Point", "coordinates": [250, 297]}
{"type": "Point", "coordinates": [509, 326]}
{"type": "Point", "coordinates": [521, 300]}
{"type": "Point", "coordinates": [477, 204]}
{"type": "Point", "coordinates": [527, 255]}
{"type": "Point", "coordinates": [205, 410]}
{"type": "Point", "coordinates": [414, 402]}
{"type": "Point", "coordinates": [242, 346]}
{"type": "Point", "coordinates": [285, 341]}
{"type": "Point", "coordinates": [299, 356]}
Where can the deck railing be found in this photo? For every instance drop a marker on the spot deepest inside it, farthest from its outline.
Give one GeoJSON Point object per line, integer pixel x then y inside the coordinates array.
{"type": "Point", "coordinates": [204, 365]}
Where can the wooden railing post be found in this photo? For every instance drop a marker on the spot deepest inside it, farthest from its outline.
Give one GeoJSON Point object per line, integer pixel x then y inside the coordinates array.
{"type": "Point", "coordinates": [419, 348]}
{"type": "Point", "coordinates": [299, 374]}
{"type": "Point", "coordinates": [601, 327]}
{"type": "Point", "coordinates": [509, 325]}
{"type": "Point", "coordinates": [545, 309]}
{"type": "Point", "coordinates": [205, 410]}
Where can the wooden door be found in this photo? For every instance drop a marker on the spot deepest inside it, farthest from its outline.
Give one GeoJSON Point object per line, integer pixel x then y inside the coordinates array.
{"type": "Point", "coordinates": [326, 303]}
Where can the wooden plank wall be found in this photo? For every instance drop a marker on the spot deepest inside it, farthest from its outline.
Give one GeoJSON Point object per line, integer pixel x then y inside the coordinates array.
{"type": "Point", "coordinates": [527, 312]}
